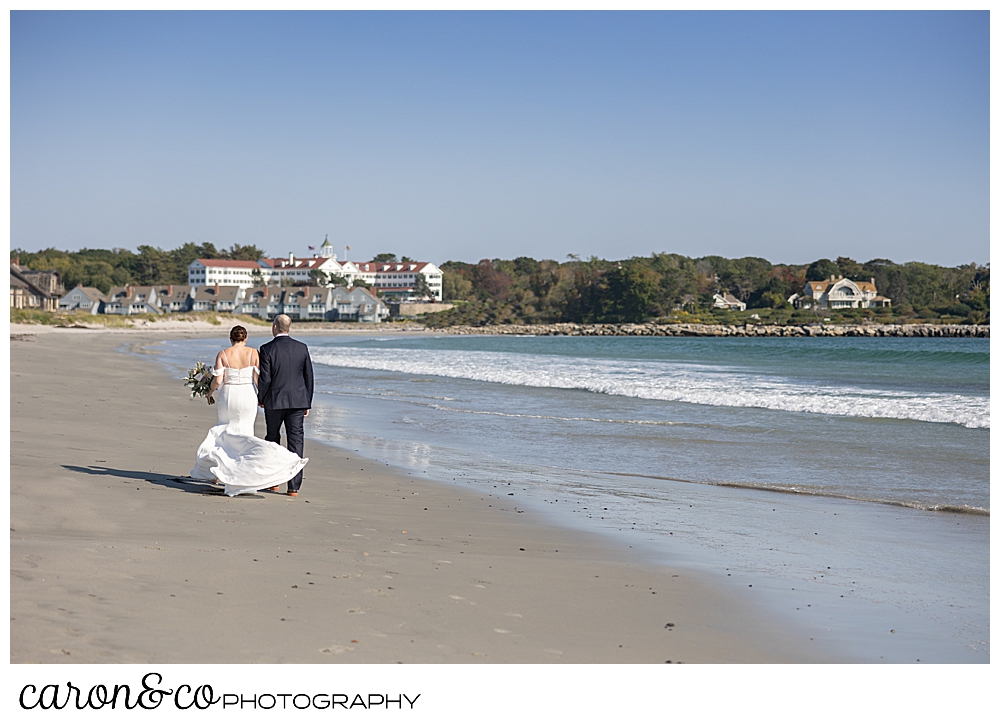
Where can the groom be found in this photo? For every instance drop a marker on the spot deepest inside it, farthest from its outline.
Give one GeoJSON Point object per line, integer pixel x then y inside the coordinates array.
{"type": "Point", "coordinates": [285, 389]}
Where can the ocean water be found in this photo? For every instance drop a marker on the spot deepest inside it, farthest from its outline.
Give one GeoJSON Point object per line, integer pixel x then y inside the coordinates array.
{"type": "Point", "coordinates": [845, 480]}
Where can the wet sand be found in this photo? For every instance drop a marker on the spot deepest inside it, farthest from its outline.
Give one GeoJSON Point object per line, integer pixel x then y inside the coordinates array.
{"type": "Point", "coordinates": [116, 557]}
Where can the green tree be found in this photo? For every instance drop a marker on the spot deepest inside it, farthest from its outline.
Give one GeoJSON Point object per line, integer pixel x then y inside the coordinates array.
{"type": "Point", "coordinates": [153, 266]}
{"type": "Point", "coordinates": [421, 288]}
{"type": "Point", "coordinates": [629, 293]}
{"type": "Point", "coordinates": [742, 277]}
{"type": "Point", "coordinates": [584, 301]}
{"type": "Point", "coordinates": [243, 253]}
{"type": "Point", "coordinates": [319, 278]}
{"type": "Point", "coordinates": [384, 258]}
{"type": "Point", "coordinates": [822, 269]}
{"type": "Point", "coordinates": [455, 285]}
{"type": "Point", "coordinates": [925, 285]}
{"type": "Point", "coordinates": [526, 266]}
{"type": "Point", "coordinates": [182, 256]}
{"type": "Point", "coordinates": [850, 268]}
{"type": "Point", "coordinates": [772, 295]}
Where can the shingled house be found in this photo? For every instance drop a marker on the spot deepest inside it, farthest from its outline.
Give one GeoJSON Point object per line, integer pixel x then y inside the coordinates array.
{"type": "Point", "coordinates": [129, 300]}
{"type": "Point", "coordinates": [840, 293]}
{"type": "Point", "coordinates": [356, 304]}
{"type": "Point", "coordinates": [34, 289]}
{"type": "Point", "coordinates": [329, 303]}
{"type": "Point", "coordinates": [216, 298]}
{"type": "Point", "coordinates": [174, 297]}
{"type": "Point", "coordinates": [728, 301]}
{"type": "Point", "coordinates": [88, 300]}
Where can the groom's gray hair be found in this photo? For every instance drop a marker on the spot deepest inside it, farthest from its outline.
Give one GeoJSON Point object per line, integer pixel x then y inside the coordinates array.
{"type": "Point", "coordinates": [283, 323]}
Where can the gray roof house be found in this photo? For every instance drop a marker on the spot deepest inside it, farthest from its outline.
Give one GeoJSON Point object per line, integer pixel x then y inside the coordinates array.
{"type": "Point", "coordinates": [216, 298]}
{"type": "Point", "coordinates": [358, 304]}
{"type": "Point", "coordinates": [34, 289]}
{"type": "Point", "coordinates": [297, 302]}
{"type": "Point", "coordinates": [263, 302]}
{"type": "Point", "coordinates": [306, 302]}
{"type": "Point", "coordinates": [132, 300]}
{"type": "Point", "coordinates": [173, 297]}
{"type": "Point", "coordinates": [84, 299]}
{"type": "Point", "coordinates": [728, 301]}
{"type": "Point", "coordinates": [24, 295]}
{"type": "Point", "coordinates": [312, 302]}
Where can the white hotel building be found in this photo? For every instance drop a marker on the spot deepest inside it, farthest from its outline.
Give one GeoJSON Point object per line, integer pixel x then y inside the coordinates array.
{"type": "Point", "coordinates": [395, 279]}
{"type": "Point", "coordinates": [205, 272]}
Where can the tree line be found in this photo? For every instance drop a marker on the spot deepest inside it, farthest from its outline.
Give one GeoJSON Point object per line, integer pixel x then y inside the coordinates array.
{"type": "Point", "coordinates": [525, 290]}
{"type": "Point", "coordinates": [103, 268]}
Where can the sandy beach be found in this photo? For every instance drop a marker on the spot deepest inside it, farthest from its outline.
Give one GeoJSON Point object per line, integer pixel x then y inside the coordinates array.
{"type": "Point", "coordinates": [117, 557]}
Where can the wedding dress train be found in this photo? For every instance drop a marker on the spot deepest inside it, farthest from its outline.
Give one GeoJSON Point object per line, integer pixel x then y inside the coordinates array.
{"type": "Point", "coordinates": [231, 453]}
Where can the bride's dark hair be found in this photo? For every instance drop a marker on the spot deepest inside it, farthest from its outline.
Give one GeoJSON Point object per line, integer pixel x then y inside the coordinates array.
{"type": "Point", "coordinates": [237, 334]}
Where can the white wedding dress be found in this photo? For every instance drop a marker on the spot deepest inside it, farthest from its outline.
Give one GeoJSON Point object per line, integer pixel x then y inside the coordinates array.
{"type": "Point", "coordinates": [231, 453]}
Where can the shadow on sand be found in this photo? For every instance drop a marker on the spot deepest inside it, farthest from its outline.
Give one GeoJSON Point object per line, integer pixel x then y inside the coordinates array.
{"type": "Point", "coordinates": [185, 484]}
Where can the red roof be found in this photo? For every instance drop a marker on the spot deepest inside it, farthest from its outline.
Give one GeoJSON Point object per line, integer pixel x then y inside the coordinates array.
{"type": "Point", "coordinates": [389, 267]}
{"type": "Point", "coordinates": [230, 263]}
{"type": "Point", "coordinates": [303, 263]}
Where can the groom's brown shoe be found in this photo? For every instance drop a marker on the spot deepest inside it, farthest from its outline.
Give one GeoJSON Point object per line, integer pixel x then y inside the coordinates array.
{"type": "Point", "coordinates": [293, 493]}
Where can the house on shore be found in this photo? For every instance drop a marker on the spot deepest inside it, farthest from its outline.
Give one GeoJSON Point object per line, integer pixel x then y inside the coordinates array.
{"type": "Point", "coordinates": [83, 299]}
{"type": "Point", "coordinates": [130, 300]}
{"type": "Point", "coordinates": [312, 302]}
{"type": "Point", "coordinates": [840, 293]}
{"type": "Point", "coordinates": [174, 297]}
{"type": "Point", "coordinates": [217, 298]}
{"type": "Point", "coordinates": [31, 289]}
{"type": "Point", "coordinates": [356, 304]}
{"type": "Point", "coordinates": [728, 301]}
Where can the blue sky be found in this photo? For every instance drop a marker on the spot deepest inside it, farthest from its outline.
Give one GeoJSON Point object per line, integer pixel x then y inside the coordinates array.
{"type": "Point", "coordinates": [791, 136]}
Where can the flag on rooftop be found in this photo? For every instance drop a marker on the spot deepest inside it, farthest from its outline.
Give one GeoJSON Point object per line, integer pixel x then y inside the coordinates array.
{"type": "Point", "coordinates": [312, 248]}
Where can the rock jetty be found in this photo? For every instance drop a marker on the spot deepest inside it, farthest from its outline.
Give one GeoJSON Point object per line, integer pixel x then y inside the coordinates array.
{"type": "Point", "coordinates": [570, 329]}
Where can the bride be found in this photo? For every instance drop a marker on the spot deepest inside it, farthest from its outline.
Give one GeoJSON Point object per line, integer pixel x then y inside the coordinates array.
{"type": "Point", "coordinates": [231, 453]}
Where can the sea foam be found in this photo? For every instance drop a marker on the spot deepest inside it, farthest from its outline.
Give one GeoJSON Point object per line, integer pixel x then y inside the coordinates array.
{"type": "Point", "coordinates": [668, 381]}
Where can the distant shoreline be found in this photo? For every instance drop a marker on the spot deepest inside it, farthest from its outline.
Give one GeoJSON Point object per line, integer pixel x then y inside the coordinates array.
{"type": "Point", "coordinates": [728, 330]}
{"type": "Point", "coordinates": [181, 325]}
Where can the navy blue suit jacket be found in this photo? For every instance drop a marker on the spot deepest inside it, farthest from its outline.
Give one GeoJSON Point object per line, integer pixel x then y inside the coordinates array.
{"type": "Point", "coordinates": [286, 375]}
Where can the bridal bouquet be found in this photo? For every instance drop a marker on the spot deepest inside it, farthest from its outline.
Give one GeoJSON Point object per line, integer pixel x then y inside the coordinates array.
{"type": "Point", "coordinates": [200, 380]}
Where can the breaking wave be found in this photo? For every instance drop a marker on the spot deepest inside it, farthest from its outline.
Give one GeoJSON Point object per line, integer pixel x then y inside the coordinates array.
{"type": "Point", "coordinates": [669, 381]}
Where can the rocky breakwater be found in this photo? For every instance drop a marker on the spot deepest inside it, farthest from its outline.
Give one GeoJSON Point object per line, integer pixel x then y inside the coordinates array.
{"type": "Point", "coordinates": [729, 330]}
